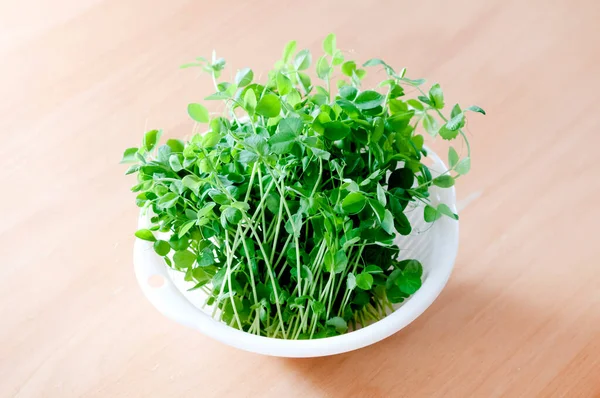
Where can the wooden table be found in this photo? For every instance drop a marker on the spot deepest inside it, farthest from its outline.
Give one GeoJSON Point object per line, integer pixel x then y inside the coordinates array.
{"type": "Point", "coordinates": [82, 80]}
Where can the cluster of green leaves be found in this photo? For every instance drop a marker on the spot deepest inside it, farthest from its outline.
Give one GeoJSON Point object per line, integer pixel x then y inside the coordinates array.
{"type": "Point", "coordinates": [285, 211]}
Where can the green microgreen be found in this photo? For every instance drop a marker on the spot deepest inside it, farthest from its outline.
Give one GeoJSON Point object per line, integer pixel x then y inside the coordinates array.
{"type": "Point", "coordinates": [284, 212]}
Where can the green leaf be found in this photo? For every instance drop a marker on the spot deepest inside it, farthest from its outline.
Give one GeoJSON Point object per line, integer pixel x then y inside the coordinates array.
{"type": "Point", "coordinates": [425, 100]}
{"type": "Point", "coordinates": [227, 88]}
{"type": "Point", "coordinates": [323, 68]}
{"type": "Point", "coordinates": [445, 210]}
{"type": "Point", "coordinates": [373, 269]}
{"type": "Point", "coordinates": [447, 134]}
{"type": "Point", "coordinates": [175, 145]}
{"type": "Point", "coordinates": [244, 77]}
{"type": "Point", "coordinates": [319, 122]}
{"type": "Point", "coordinates": [401, 222]}
{"type": "Point", "coordinates": [145, 234]}
{"type": "Point", "coordinates": [377, 152]}
{"type": "Point", "coordinates": [302, 60]}
{"type": "Point", "coordinates": [396, 91]}
{"type": "Point", "coordinates": [436, 96]}
{"type": "Point", "coordinates": [168, 200]}
{"type": "Point", "coordinates": [408, 284]}
{"type": "Point", "coordinates": [198, 112]}
{"type": "Point", "coordinates": [419, 141]}
{"type": "Point", "coordinates": [361, 298]}
{"type": "Point", "coordinates": [282, 142]}
{"type": "Point", "coordinates": [210, 139]}
{"type": "Point", "coordinates": [304, 81]}
{"type": "Point", "coordinates": [415, 104]}
{"type": "Point", "coordinates": [396, 206]}
{"type": "Point", "coordinates": [329, 44]}
{"type": "Point", "coordinates": [411, 267]}
{"type": "Point", "coordinates": [293, 98]}
{"type": "Point", "coordinates": [257, 143]}
{"type": "Point", "coordinates": [250, 101]}
{"type": "Point", "coordinates": [151, 139]}
{"type": "Point", "coordinates": [414, 82]}
{"type": "Point", "coordinates": [184, 259]}
{"type": "Point", "coordinates": [338, 323]}
{"type": "Point", "coordinates": [378, 209]}
{"type": "Point", "coordinates": [191, 214]}
{"type": "Point", "coordinates": [456, 122]}
{"type": "Point", "coordinates": [455, 111]}
{"type": "Point", "coordinates": [353, 203]}
{"type": "Point", "coordinates": [348, 107]}
{"type": "Point", "coordinates": [206, 258]}
{"type": "Point", "coordinates": [247, 156]}
{"type": "Point", "coordinates": [335, 130]}
{"type": "Point", "coordinates": [350, 186]}
{"type": "Point", "coordinates": [219, 125]}
{"type": "Point", "coordinates": [179, 244]}
{"type": "Point", "coordinates": [335, 263]}
{"type": "Point", "coordinates": [218, 196]}
{"type": "Point", "coordinates": [348, 92]}
{"type": "Point", "coordinates": [192, 182]}
{"type": "Point", "coordinates": [376, 61]}
{"type": "Point", "coordinates": [268, 105]}
{"type": "Point", "coordinates": [463, 166]}
{"type": "Point", "coordinates": [394, 294]}
{"type": "Point", "coordinates": [162, 248]}
{"type": "Point", "coordinates": [430, 213]}
{"type": "Point", "coordinates": [340, 261]}
{"type": "Point", "coordinates": [175, 162]}
{"type": "Point", "coordinates": [378, 130]}
{"type": "Point", "coordinates": [388, 222]}
{"type": "Point", "coordinates": [368, 100]}
{"type": "Point", "coordinates": [452, 157]}
{"type": "Point", "coordinates": [320, 154]}
{"type": "Point", "coordinates": [475, 108]}
{"type": "Point", "coordinates": [217, 63]}
{"type": "Point", "coordinates": [129, 155]}
{"type": "Point", "coordinates": [243, 206]}
{"type": "Point", "coordinates": [293, 226]}
{"type": "Point", "coordinates": [430, 125]}
{"type": "Point", "coordinates": [291, 125]}
{"type": "Point", "coordinates": [359, 74]}
{"type": "Point", "coordinates": [289, 49]}
{"type": "Point", "coordinates": [348, 68]}
{"type": "Point", "coordinates": [338, 58]}
{"type": "Point", "coordinates": [185, 228]}
{"type": "Point", "coordinates": [444, 181]}
{"type": "Point", "coordinates": [318, 307]}
{"type": "Point", "coordinates": [351, 281]}
{"type": "Point", "coordinates": [233, 215]}
{"type": "Point", "coordinates": [399, 121]}
{"type": "Point", "coordinates": [381, 195]}
{"type": "Point", "coordinates": [364, 280]}
{"type": "Point", "coordinates": [398, 106]}
{"type": "Point", "coordinates": [163, 153]}
{"type": "Point", "coordinates": [206, 209]}
{"type": "Point", "coordinates": [284, 84]}
{"type": "Point", "coordinates": [218, 96]}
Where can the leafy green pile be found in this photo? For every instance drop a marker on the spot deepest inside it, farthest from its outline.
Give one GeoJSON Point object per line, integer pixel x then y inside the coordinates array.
{"type": "Point", "coordinates": [285, 211]}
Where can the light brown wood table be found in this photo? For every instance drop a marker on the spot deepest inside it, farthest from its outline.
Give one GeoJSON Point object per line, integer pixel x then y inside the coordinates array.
{"type": "Point", "coordinates": [80, 80]}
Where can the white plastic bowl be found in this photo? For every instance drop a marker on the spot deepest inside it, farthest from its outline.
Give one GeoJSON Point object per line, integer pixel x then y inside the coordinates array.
{"type": "Point", "coordinates": [434, 245]}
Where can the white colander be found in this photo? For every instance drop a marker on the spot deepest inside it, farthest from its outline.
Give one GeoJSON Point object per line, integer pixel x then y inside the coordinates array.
{"type": "Point", "coordinates": [434, 245]}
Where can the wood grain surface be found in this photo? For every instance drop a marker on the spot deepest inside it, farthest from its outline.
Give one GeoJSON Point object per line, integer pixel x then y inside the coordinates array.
{"type": "Point", "coordinates": [83, 79]}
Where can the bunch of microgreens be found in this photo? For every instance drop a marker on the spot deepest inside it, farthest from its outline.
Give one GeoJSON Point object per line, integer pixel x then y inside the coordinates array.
{"type": "Point", "coordinates": [285, 211]}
